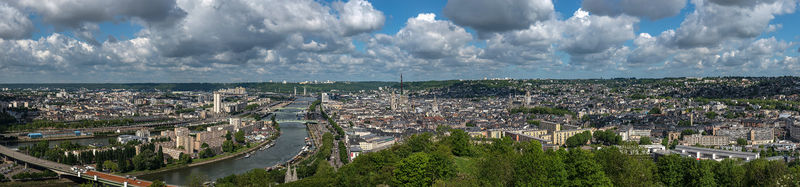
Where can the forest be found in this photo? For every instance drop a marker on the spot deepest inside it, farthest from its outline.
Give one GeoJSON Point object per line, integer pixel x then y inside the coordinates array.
{"type": "Point", "coordinates": [453, 160]}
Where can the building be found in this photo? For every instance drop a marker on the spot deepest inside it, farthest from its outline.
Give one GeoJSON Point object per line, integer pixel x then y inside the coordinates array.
{"type": "Point", "coordinates": [127, 138]}
{"type": "Point", "coordinates": [183, 140]}
{"type": "Point", "coordinates": [143, 133]}
{"type": "Point", "coordinates": [560, 137]}
{"type": "Point", "coordinates": [697, 139]}
{"type": "Point", "coordinates": [761, 136]}
{"type": "Point", "coordinates": [794, 130]}
{"type": "Point", "coordinates": [354, 152]}
{"type": "Point", "coordinates": [217, 102]}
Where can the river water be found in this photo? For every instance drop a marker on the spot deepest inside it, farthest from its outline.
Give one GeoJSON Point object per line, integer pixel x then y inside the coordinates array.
{"type": "Point", "coordinates": [286, 146]}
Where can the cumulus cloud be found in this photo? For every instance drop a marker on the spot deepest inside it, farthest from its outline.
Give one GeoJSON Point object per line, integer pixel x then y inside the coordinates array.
{"type": "Point", "coordinates": [73, 13]}
{"type": "Point", "coordinates": [652, 10]}
{"type": "Point", "coordinates": [711, 24]}
{"type": "Point", "coordinates": [358, 16]}
{"type": "Point", "coordinates": [13, 23]}
{"type": "Point", "coordinates": [590, 38]}
{"type": "Point", "coordinates": [259, 40]}
{"type": "Point", "coordinates": [498, 15]}
{"type": "Point", "coordinates": [426, 37]}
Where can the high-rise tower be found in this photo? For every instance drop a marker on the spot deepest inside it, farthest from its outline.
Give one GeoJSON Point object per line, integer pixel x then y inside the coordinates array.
{"type": "Point", "coordinates": [217, 102]}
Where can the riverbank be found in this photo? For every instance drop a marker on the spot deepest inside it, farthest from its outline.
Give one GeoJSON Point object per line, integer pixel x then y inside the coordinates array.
{"type": "Point", "coordinates": [194, 163]}
{"type": "Point", "coordinates": [41, 183]}
{"type": "Point", "coordinates": [58, 138]}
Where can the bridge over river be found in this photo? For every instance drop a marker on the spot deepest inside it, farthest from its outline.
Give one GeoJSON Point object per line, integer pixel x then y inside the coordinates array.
{"type": "Point", "coordinates": [66, 170]}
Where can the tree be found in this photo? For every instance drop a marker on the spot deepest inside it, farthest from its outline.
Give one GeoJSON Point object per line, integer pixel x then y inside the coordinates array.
{"type": "Point", "coordinates": [459, 141]}
{"type": "Point", "coordinates": [645, 141]}
{"type": "Point", "coordinates": [711, 115]}
{"type": "Point", "coordinates": [160, 156]}
{"type": "Point", "coordinates": [157, 183]}
{"type": "Point", "coordinates": [111, 166]}
{"type": "Point", "coordinates": [579, 139]}
{"type": "Point", "coordinates": [228, 135]}
{"type": "Point", "coordinates": [239, 137]}
{"type": "Point", "coordinates": [671, 170]}
{"type": "Point", "coordinates": [626, 170]}
{"type": "Point", "coordinates": [665, 142]}
{"type": "Point", "coordinates": [761, 172]}
{"type": "Point", "coordinates": [729, 173]}
{"type": "Point", "coordinates": [205, 145]}
{"type": "Point", "coordinates": [227, 146]}
{"type": "Point", "coordinates": [184, 159]}
{"type": "Point", "coordinates": [607, 137]}
{"type": "Point", "coordinates": [700, 173]}
{"type": "Point", "coordinates": [206, 153]}
{"type": "Point", "coordinates": [536, 168]}
{"type": "Point", "coordinates": [654, 110]}
{"type": "Point", "coordinates": [584, 171]}
{"type": "Point", "coordinates": [741, 141]}
{"type": "Point", "coordinates": [422, 169]}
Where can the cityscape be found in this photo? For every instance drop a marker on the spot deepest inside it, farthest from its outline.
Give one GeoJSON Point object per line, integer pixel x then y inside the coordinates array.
{"type": "Point", "coordinates": [418, 93]}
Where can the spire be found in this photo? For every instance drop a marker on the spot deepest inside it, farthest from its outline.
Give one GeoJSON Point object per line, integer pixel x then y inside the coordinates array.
{"type": "Point", "coordinates": [401, 84]}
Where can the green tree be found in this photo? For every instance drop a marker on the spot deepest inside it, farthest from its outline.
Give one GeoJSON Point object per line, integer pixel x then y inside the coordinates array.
{"type": "Point", "coordinates": [671, 170]}
{"type": "Point", "coordinates": [584, 171]}
{"type": "Point", "coordinates": [645, 141]}
{"type": "Point", "coordinates": [607, 137]}
{"type": "Point", "coordinates": [157, 183]}
{"type": "Point", "coordinates": [655, 110]}
{"type": "Point", "coordinates": [700, 173]}
{"type": "Point", "coordinates": [537, 168]}
{"type": "Point", "coordinates": [227, 146]}
{"type": "Point", "coordinates": [416, 170]}
{"type": "Point", "coordinates": [111, 166]}
{"type": "Point", "coordinates": [729, 173]}
{"type": "Point", "coordinates": [626, 170]}
{"type": "Point", "coordinates": [239, 137]}
{"type": "Point", "coordinates": [711, 115]}
{"type": "Point", "coordinates": [761, 172]}
{"type": "Point", "coordinates": [579, 139]}
{"type": "Point", "coordinates": [228, 135]}
{"type": "Point", "coordinates": [741, 141]}
{"type": "Point", "coordinates": [459, 141]}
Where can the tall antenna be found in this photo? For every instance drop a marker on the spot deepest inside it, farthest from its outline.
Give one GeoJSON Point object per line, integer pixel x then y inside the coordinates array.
{"type": "Point", "coordinates": [401, 84]}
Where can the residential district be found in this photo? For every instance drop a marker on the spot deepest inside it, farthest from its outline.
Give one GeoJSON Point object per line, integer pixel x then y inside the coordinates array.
{"type": "Point", "coordinates": [717, 119]}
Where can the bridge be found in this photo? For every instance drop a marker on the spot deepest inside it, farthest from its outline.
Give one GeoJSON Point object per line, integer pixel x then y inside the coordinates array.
{"type": "Point", "coordinates": [66, 170]}
{"type": "Point", "coordinates": [296, 108]}
{"type": "Point", "coordinates": [714, 154]}
{"type": "Point", "coordinates": [296, 121]}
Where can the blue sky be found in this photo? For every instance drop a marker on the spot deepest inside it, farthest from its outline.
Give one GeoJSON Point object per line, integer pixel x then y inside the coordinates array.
{"type": "Point", "coordinates": [296, 40]}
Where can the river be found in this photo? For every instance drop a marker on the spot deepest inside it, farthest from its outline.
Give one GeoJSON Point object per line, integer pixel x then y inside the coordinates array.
{"type": "Point", "coordinates": [286, 146]}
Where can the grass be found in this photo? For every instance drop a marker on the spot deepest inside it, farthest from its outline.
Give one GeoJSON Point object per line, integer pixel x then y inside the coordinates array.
{"type": "Point", "coordinates": [466, 165]}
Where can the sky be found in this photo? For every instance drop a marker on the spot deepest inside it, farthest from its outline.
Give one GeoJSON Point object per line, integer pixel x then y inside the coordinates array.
{"type": "Point", "coordinates": [128, 41]}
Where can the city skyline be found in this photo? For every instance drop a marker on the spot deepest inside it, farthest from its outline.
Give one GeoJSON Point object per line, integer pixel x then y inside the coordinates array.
{"type": "Point", "coordinates": [260, 41]}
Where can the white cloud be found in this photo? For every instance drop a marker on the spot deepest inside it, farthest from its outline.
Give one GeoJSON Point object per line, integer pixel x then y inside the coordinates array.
{"type": "Point", "coordinates": [358, 16]}
{"type": "Point", "coordinates": [712, 24]}
{"type": "Point", "coordinates": [14, 24]}
{"type": "Point", "coordinates": [498, 15]}
{"type": "Point", "coordinates": [425, 37]}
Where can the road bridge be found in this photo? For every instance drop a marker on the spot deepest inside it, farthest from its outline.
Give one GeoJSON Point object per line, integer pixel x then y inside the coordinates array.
{"type": "Point", "coordinates": [714, 154]}
{"type": "Point", "coordinates": [296, 108]}
{"type": "Point", "coordinates": [66, 170]}
{"type": "Point", "coordinates": [296, 121]}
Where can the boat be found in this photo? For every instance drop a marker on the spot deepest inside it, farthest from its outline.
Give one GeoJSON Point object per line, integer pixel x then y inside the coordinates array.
{"type": "Point", "coordinates": [247, 155]}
